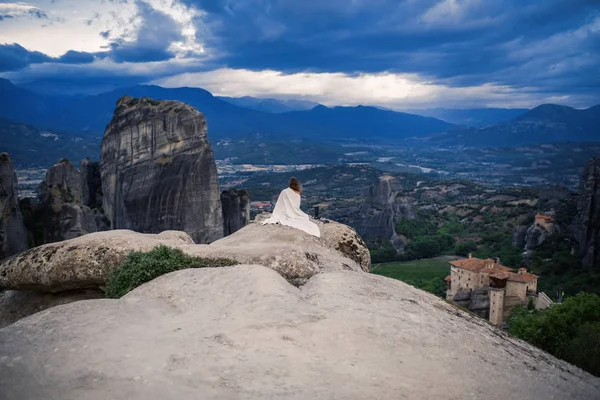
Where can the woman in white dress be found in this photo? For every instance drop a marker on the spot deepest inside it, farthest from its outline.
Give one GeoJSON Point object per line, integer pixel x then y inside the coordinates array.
{"type": "Point", "coordinates": [287, 210]}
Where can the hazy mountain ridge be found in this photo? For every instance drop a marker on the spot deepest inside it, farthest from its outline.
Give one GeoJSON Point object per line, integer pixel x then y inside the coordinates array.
{"type": "Point", "coordinates": [270, 105]}
{"type": "Point", "coordinates": [547, 123]}
{"type": "Point", "coordinates": [475, 117]}
{"type": "Point", "coordinates": [91, 114]}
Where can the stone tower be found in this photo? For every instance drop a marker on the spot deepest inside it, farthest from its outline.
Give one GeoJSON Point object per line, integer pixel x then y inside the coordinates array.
{"type": "Point", "coordinates": [496, 306]}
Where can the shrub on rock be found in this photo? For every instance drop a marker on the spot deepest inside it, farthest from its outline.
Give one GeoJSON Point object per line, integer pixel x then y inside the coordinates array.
{"type": "Point", "coordinates": [142, 267]}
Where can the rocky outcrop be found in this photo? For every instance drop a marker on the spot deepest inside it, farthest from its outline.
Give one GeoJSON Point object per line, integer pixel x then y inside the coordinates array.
{"type": "Point", "coordinates": [60, 204]}
{"type": "Point", "coordinates": [586, 226]}
{"type": "Point", "coordinates": [13, 236]}
{"type": "Point", "coordinates": [243, 332]}
{"type": "Point", "coordinates": [85, 262]}
{"type": "Point", "coordinates": [236, 210]}
{"type": "Point", "coordinates": [535, 236]}
{"type": "Point", "coordinates": [383, 208]}
{"type": "Point", "coordinates": [158, 170]}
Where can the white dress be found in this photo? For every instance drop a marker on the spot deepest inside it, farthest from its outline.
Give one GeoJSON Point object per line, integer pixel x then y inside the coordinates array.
{"type": "Point", "coordinates": [287, 212]}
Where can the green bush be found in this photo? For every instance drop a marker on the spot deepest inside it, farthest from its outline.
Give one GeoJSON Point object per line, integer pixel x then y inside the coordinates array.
{"type": "Point", "coordinates": [568, 330]}
{"type": "Point", "coordinates": [142, 267]}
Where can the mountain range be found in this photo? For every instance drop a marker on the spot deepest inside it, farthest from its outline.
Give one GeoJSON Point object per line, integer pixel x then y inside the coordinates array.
{"type": "Point", "coordinates": [90, 115]}
{"type": "Point", "coordinates": [547, 123]}
{"type": "Point", "coordinates": [86, 117]}
{"type": "Point", "coordinates": [475, 117]}
{"type": "Point", "coordinates": [275, 106]}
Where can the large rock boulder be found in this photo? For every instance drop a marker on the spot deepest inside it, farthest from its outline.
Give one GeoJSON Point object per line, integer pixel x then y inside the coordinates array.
{"type": "Point", "coordinates": [236, 210]}
{"type": "Point", "coordinates": [80, 263]}
{"type": "Point", "coordinates": [158, 170]}
{"type": "Point", "coordinates": [17, 304]}
{"type": "Point", "coordinates": [13, 236]}
{"type": "Point", "coordinates": [586, 226]}
{"type": "Point", "coordinates": [60, 204]}
{"type": "Point", "coordinates": [85, 262]}
{"type": "Point", "coordinates": [383, 208]}
{"type": "Point", "coordinates": [294, 254]}
{"type": "Point", "coordinates": [245, 333]}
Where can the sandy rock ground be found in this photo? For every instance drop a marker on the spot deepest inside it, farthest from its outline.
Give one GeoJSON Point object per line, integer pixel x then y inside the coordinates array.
{"type": "Point", "coordinates": [244, 332]}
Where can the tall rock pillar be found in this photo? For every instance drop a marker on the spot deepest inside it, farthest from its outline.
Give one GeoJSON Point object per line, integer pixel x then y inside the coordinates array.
{"type": "Point", "coordinates": [158, 170]}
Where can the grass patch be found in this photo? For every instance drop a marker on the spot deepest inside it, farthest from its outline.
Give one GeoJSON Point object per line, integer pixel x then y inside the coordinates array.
{"type": "Point", "coordinates": [142, 267]}
{"type": "Point", "coordinates": [425, 274]}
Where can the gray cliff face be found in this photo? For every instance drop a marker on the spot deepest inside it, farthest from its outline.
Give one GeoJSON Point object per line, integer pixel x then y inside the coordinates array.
{"type": "Point", "coordinates": [13, 236]}
{"type": "Point", "coordinates": [519, 235]}
{"type": "Point", "coordinates": [60, 202]}
{"type": "Point", "coordinates": [91, 184]}
{"type": "Point", "coordinates": [91, 192]}
{"type": "Point", "coordinates": [586, 226]}
{"type": "Point", "coordinates": [236, 210]}
{"type": "Point", "coordinates": [384, 207]}
{"type": "Point", "coordinates": [158, 170]}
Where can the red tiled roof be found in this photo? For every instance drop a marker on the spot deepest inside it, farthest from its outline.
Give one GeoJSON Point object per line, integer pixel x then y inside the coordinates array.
{"type": "Point", "coordinates": [500, 275]}
{"type": "Point", "coordinates": [523, 278]}
{"type": "Point", "coordinates": [514, 277]}
{"type": "Point", "coordinates": [477, 265]}
{"type": "Point", "coordinates": [448, 278]}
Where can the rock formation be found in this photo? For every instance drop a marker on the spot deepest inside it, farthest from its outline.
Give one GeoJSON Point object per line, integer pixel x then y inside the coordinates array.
{"type": "Point", "coordinates": [91, 184]}
{"type": "Point", "coordinates": [158, 170]}
{"type": "Point", "coordinates": [535, 236]}
{"type": "Point", "coordinates": [236, 210]}
{"type": "Point", "coordinates": [13, 236]}
{"type": "Point", "coordinates": [85, 262]}
{"type": "Point", "coordinates": [243, 332]}
{"type": "Point", "coordinates": [383, 208]}
{"type": "Point", "coordinates": [586, 226]}
{"type": "Point", "coordinates": [60, 203]}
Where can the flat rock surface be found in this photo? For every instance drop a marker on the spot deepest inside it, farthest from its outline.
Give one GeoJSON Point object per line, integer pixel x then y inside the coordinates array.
{"type": "Point", "coordinates": [245, 333]}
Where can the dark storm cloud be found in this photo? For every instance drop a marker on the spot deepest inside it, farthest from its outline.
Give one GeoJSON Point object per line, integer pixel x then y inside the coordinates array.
{"type": "Point", "coordinates": [455, 42]}
{"type": "Point", "coordinates": [552, 46]}
{"type": "Point", "coordinates": [156, 33]}
{"type": "Point", "coordinates": [14, 57]}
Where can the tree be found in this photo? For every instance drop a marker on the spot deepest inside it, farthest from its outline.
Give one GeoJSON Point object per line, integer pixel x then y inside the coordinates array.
{"type": "Point", "coordinates": [569, 330]}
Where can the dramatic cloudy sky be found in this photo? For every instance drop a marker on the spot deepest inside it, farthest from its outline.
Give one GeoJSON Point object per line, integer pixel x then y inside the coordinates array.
{"type": "Point", "coordinates": [394, 53]}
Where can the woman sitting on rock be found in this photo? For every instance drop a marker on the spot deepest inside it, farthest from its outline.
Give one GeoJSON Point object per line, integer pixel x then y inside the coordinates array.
{"type": "Point", "coordinates": [287, 210]}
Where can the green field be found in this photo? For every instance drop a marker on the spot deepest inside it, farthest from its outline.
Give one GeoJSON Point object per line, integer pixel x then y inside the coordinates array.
{"type": "Point", "coordinates": [426, 274]}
